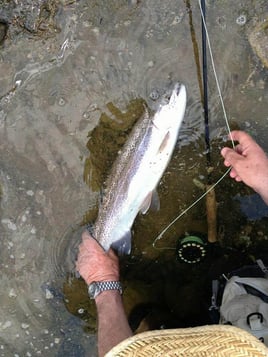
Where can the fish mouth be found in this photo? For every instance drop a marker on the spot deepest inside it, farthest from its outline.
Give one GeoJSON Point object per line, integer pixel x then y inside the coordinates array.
{"type": "Point", "coordinates": [177, 89]}
{"type": "Point", "coordinates": [173, 93]}
{"type": "Point", "coordinates": [170, 96]}
{"type": "Point", "coordinates": [177, 94]}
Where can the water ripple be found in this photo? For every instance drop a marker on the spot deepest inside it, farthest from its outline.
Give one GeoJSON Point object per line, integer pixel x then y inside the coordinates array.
{"type": "Point", "coordinates": [64, 251]}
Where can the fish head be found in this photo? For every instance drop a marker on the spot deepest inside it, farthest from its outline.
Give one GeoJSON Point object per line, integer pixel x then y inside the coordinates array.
{"type": "Point", "coordinates": [171, 111]}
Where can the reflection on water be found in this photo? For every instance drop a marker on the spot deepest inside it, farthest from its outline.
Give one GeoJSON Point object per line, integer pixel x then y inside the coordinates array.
{"type": "Point", "coordinates": [106, 60]}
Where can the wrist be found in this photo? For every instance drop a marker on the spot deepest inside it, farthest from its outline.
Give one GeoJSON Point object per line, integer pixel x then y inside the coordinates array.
{"type": "Point", "coordinates": [107, 296]}
{"type": "Point", "coordinates": [102, 278]}
{"type": "Point", "coordinates": [96, 288]}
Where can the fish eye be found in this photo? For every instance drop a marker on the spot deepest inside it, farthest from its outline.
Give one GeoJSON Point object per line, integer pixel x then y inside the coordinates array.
{"type": "Point", "coordinates": [154, 95]}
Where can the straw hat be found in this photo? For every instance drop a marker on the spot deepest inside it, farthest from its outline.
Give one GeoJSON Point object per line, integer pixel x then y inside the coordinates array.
{"type": "Point", "coordinates": [203, 341]}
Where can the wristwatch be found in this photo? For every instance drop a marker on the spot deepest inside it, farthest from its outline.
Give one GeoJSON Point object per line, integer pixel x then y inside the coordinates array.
{"type": "Point", "coordinates": [96, 287]}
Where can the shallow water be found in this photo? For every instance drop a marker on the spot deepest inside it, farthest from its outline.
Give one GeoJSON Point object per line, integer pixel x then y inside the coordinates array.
{"type": "Point", "coordinates": [53, 92]}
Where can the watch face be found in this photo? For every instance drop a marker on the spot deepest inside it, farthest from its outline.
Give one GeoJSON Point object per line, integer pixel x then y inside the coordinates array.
{"type": "Point", "coordinates": [92, 290]}
{"type": "Point", "coordinates": [96, 287]}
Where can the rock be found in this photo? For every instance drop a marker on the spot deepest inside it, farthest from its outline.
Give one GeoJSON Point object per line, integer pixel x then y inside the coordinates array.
{"type": "Point", "coordinates": [49, 294]}
{"type": "Point", "coordinates": [258, 38]}
{"type": "Point", "coordinates": [35, 17]}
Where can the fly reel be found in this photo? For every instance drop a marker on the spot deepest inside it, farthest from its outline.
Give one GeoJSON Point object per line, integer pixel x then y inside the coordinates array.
{"type": "Point", "coordinates": [191, 249]}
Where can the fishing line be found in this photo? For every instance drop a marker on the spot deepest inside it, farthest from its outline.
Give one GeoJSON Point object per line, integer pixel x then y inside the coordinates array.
{"type": "Point", "coordinates": [207, 39]}
{"type": "Point", "coordinates": [160, 235]}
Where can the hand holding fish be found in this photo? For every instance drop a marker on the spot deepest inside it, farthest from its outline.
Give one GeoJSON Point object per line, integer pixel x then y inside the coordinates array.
{"type": "Point", "coordinates": [94, 264]}
{"type": "Point", "coordinates": [249, 163]}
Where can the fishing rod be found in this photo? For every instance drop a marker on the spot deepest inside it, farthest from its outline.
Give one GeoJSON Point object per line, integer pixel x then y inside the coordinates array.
{"type": "Point", "coordinates": [201, 70]}
{"type": "Point", "coordinates": [205, 81]}
{"type": "Point", "coordinates": [211, 205]}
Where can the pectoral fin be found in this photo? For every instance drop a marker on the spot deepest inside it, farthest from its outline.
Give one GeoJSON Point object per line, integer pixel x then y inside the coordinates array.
{"type": "Point", "coordinates": [123, 245]}
{"type": "Point", "coordinates": [146, 203]}
{"type": "Point", "coordinates": [151, 200]}
{"type": "Point", "coordinates": [164, 142]}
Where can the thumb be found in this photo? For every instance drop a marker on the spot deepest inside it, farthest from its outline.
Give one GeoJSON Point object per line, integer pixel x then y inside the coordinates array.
{"type": "Point", "coordinates": [112, 255]}
{"type": "Point", "coordinates": [230, 156]}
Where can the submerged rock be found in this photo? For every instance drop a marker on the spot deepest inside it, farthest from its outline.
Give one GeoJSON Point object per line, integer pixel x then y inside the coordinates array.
{"type": "Point", "coordinates": [35, 17]}
{"type": "Point", "coordinates": [258, 38]}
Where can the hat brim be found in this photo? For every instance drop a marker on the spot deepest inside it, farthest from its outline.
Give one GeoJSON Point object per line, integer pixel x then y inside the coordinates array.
{"type": "Point", "coordinates": [210, 340]}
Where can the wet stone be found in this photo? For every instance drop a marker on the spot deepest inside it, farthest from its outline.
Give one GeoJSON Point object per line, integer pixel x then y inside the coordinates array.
{"type": "Point", "coordinates": [49, 294]}
{"type": "Point", "coordinates": [34, 16]}
{"type": "Point", "coordinates": [6, 325]}
{"type": "Point", "coordinates": [258, 38]}
{"type": "Point", "coordinates": [12, 293]}
{"type": "Point", "coordinates": [62, 102]}
{"type": "Point", "coordinates": [24, 326]}
{"type": "Point", "coordinates": [241, 20]}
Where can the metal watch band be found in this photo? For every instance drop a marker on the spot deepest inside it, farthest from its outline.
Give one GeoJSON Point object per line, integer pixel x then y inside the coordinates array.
{"type": "Point", "coordinates": [110, 285]}
{"type": "Point", "coordinates": [96, 287]}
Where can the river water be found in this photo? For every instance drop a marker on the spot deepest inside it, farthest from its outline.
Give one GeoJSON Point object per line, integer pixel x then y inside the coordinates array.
{"type": "Point", "coordinates": [99, 57]}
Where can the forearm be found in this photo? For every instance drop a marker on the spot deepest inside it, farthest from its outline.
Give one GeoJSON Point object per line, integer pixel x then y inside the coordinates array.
{"type": "Point", "coordinates": [113, 326]}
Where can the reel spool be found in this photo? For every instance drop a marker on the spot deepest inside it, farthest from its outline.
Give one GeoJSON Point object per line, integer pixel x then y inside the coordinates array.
{"type": "Point", "coordinates": [191, 249]}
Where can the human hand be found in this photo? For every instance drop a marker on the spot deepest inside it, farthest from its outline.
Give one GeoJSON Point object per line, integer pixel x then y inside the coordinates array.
{"type": "Point", "coordinates": [94, 264]}
{"type": "Point", "coordinates": [249, 163]}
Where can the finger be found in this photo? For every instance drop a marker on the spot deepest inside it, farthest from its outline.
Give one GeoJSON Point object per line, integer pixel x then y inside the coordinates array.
{"type": "Point", "coordinates": [112, 255]}
{"type": "Point", "coordinates": [233, 173]}
{"type": "Point", "coordinates": [90, 243]}
{"type": "Point", "coordinates": [84, 248]}
{"type": "Point", "coordinates": [224, 152]}
{"type": "Point", "coordinates": [238, 179]}
{"type": "Point", "coordinates": [239, 149]}
{"type": "Point", "coordinates": [84, 254]}
{"type": "Point", "coordinates": [82, 260]}
{"type": "Point", "coordinates": [86, 241]}
{"type": "Point", "coordinates": [242, 137]}
{"type": "Point", "coordinates": [86, 235]}
{"type": "Point", "coordinates": [230, 156]}
{"type": "Point", "coordinates": [227, 163]}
